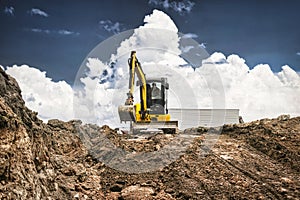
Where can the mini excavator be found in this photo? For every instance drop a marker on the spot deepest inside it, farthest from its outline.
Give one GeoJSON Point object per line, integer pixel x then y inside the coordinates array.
{"type": "Point", "coordinates": [152, 111]}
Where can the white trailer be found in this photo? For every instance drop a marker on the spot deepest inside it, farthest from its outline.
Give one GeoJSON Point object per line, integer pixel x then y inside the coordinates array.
{"type": "Point", "coordinates": [188, 118]}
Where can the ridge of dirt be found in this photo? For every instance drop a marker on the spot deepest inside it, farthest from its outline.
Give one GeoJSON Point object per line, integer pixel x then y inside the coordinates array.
{"type": "Point", "coordinates": [60, 160]}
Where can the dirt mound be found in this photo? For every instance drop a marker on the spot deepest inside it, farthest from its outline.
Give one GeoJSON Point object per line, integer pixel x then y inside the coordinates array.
{"type": "Point", "coordinates": [70, 160]}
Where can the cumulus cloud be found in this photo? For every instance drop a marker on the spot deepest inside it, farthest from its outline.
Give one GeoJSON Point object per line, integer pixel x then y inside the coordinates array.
{"type": "Point", "coordinates": [244, 89]}
{"type": "Point", "coordinates": [9, 10]}
{"type": "Point", "coordinates": [50, 99]}
{"type": "Point", "coordinates": [216, 58]}
{"type": "Point", "coordinates": [36, 11]}
{"type": "Point", "coordinates": [257, 92]}
{"type": "Point", "coordinates": [111, 27]}
{"type": "Point", "coordinates": [181, 7]}
{"type": "Point", "coordinates": [106, 84]}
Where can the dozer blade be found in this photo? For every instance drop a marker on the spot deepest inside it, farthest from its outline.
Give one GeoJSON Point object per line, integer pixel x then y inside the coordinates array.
{"type": "Point", "coordinates": [156, 124]}
{"type": "Point", "coordinates": [168, 127]}
{"type": "Point", "coordinates": [126, 113]}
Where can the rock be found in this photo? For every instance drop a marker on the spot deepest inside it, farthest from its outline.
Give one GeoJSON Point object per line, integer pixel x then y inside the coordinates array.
{"type": "Point", "coordinates": [113, 196]}
{"type": "Point", "coordinates": [164, 196]}
{"type": "Point", "coordinates": [76, 196]}
{"type": "Point", "coordinates": [283, 117]}
{"type": "Point", "coordinates": [62, 160]}
{"type": "Point", "coordinates": [241, 119]}
{"type": "Point", "coordinates": [137, 192]}
{"type": "Point", "coordinates": [116, 188]}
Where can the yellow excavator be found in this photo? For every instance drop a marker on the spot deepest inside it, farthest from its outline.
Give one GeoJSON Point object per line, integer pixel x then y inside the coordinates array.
{"type": "Point", "coordinates": [152, 111]}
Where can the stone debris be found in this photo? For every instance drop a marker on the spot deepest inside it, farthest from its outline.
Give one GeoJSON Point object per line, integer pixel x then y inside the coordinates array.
{"type": "Point", "coordinates": [71, 160]}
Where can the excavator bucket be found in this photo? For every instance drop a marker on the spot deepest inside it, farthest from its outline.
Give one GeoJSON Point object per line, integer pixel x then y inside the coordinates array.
{"type": "Point", "coordinates": [126, 113]}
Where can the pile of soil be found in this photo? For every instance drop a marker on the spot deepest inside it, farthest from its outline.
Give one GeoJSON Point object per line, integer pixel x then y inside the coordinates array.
{"type": "Point", "coordinates": [71, 160]}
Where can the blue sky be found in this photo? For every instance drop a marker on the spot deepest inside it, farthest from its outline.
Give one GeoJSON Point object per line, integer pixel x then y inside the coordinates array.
{"type": "Point", "coordinates": [55, 36]}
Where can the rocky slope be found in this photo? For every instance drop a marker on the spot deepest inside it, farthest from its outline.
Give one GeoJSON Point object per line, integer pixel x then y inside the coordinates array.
{"type": "Point", "coordinates": [69, 160]}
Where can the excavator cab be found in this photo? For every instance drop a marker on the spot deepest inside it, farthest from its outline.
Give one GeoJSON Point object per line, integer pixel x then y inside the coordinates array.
{"type": "Point", "coordinates": [156, 95]}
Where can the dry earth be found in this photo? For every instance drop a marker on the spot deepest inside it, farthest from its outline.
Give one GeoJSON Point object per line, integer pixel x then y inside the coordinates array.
{"type": "Point", "coordinates": [69, 160]}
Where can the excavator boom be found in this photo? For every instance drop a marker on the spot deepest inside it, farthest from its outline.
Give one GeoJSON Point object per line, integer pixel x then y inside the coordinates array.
{"type": "Point", "coordinates": [135, 68]}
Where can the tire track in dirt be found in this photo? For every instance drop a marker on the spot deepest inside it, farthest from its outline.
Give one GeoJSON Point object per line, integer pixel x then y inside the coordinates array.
{"type": "Point", "coordinates": [252, 176]}
{"type": "Point", "coordinates": [278, 180]}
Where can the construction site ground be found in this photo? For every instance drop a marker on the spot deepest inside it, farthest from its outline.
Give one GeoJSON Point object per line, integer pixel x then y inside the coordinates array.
{"type": "Point", "coordinates": [70, 160]}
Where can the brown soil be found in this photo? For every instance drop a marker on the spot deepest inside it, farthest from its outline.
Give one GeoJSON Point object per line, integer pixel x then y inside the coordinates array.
{"type": "Point", "coordinates": [69, 160]}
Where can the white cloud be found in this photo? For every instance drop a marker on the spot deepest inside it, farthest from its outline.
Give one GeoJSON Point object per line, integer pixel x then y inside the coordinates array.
{"type": "Point", "coordinates": [9, 10]}
{"type": "Point", "coordinates": [181, 7]}
{"type": "Point", "coordinates": [60, 32]}
{"type": "Point", "coordinates": [50, 99]}
{"type": "Point", "coordinates": [298, 53]}
{"type": "Point", "coordinates": [186, 49]}
{"type": "Point", "coordinates": [109, 26]}
{"type": "Point", "coordinates": [203, 45]}
{"type": "Point", "coordinates": [258, 93]}
{"type": "Point", "coordinates": [158, 20]}
{"type": "Point", "coordinates": [38, 30]}
{"type": "Point", "coordinates": [98, 103]}
{"type": "Point", "coordinates": [245, 89]}
{"type": "Point", "coordinates": [67, 32]}
{"type": "Point", "coordinates": [190, 35]}
{"type": "Point", "coordinates": [36, 11]}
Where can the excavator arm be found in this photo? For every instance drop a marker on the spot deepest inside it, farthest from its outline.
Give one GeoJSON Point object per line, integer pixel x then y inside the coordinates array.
{"type": "Point", "coordinates": [135, 68]}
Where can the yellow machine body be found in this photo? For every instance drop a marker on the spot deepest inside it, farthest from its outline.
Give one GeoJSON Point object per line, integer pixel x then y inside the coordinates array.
{"type": "Point", "coordinates": [152, 111]}
{"type": "Point", "coordinates": [150, 117]}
